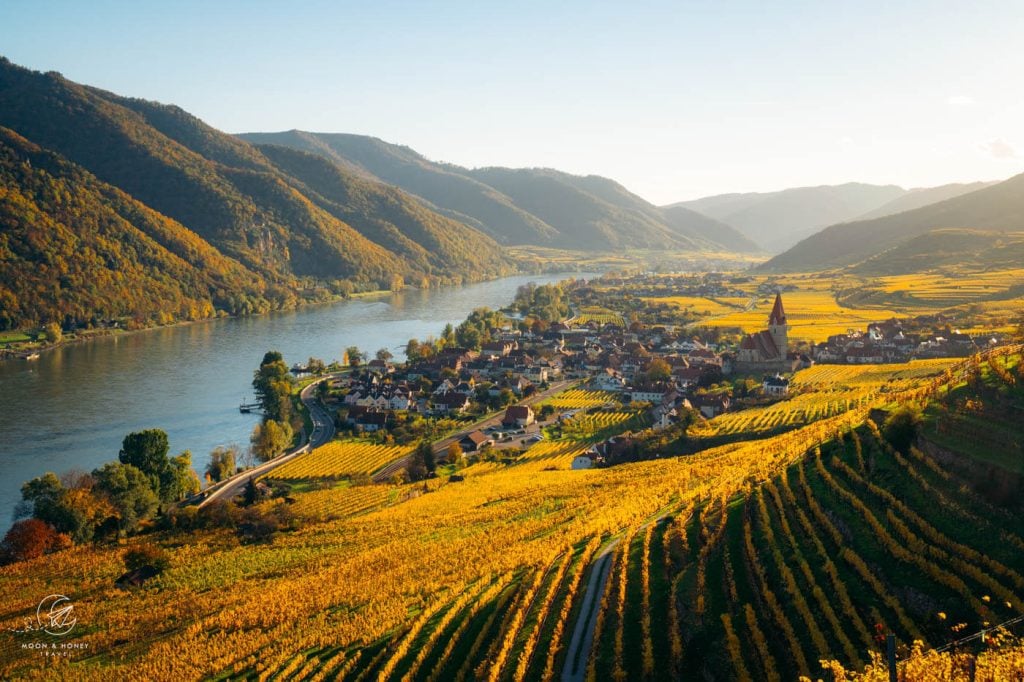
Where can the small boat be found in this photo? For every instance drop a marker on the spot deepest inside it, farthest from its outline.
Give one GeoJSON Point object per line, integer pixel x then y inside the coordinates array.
{"type": "Point", "coordinates": [31, 356]}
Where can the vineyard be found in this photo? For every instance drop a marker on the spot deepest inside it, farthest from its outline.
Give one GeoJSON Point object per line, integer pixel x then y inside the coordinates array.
{"type": "Point", "coordinates": [751, 560]}
{"type": "Point", "coordinates": [576, 399]}
{"type": "Point", "coordinates": [339, 459]}
{"type": "Point", "coordinates": [831, 390]}
{"type": "Point", "coordinates": [599, 316]}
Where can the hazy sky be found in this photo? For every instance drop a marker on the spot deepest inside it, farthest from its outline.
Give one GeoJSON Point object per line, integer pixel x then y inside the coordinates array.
{"type": "Point", "coordinates": [673, 99]}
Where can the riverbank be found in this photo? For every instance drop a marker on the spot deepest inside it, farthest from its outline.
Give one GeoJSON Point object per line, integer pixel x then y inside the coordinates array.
{"type": "Point", "coordinates": [16, 344]}
{"type": "Point", "coordinates": [71, 408]}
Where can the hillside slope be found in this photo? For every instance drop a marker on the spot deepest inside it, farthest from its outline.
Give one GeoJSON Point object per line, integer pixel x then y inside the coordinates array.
{"type": "Point", "coordinates": [240, 202]}
{"type": "Point", "coordinates": [536, 207]}
{"type": "Point", "coordinates": [996, 208]}
{"type": "Point", "coordinates": [447, 189]}
{"type": "Point", "coordinates": [916, 198]}
{"type": "Point", "coordinates": [74, 249]}
{"type": "Point", "coordinates": [948, 248]}
{"type": "Point", "coordinates": [777, 220]}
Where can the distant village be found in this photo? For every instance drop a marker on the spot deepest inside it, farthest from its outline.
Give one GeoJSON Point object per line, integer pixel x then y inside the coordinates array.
{"type": "Point", "coordinates": [655, 368]}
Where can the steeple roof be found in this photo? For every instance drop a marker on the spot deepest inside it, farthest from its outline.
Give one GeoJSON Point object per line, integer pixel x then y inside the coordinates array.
{"type": "Point", "coordinates": [778, 315]}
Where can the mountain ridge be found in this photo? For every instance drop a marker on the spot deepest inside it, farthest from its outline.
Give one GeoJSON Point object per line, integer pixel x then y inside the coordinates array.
{"type": "Point", "coordinates": [522, 206]}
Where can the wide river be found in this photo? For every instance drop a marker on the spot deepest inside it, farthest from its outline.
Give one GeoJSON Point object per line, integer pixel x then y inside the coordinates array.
{"type": "Point", "coordinates": [71, 408]}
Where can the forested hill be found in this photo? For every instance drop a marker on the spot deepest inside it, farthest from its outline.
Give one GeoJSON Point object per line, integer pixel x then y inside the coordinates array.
{"type": "Point", "coordinates": [263, 227]}
{"type": "Point", "coordinates": [74, 248]}
{"type": "Point", "coordinates": [997, 208]}
{"type": "Point", "coordinates": [523, 206]}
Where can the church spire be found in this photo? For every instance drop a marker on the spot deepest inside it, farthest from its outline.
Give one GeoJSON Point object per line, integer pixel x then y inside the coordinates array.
{"type": "Point", "coordinates": [778, 316]}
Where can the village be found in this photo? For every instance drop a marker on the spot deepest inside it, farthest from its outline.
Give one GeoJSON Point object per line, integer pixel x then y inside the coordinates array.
{"type": "Point", "coordinates": [664, 374]}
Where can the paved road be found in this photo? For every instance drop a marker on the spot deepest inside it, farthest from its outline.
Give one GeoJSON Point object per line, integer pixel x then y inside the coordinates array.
{"type": "Point", "coordinates": [323, 431]}
{"type": "Point", "coordinates": [441, 446]}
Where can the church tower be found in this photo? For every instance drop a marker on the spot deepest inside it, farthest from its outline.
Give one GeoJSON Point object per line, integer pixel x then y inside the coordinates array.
{"type": "Point", "coordinates": [778, 328]}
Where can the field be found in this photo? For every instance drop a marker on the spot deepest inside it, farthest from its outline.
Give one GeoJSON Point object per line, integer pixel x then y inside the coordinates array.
{"type": "Point", "coordinates": [813, 315]}
{"type": "Point", "coordinates": [339, 459]}
{"type": "Point", "coordinates": [705, 307]}
{"type": "Point", "coordinates": [750, 560]}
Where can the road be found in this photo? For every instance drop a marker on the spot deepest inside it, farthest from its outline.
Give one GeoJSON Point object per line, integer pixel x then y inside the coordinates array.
{"type": "Point", "coordinates": [575, 669]}
{"type": "Point", "coordinates": [441, 446]}
{"type": "Point", "coordinates": [583, 634]}
{"type": "Point", "coordinates": [323, 431]}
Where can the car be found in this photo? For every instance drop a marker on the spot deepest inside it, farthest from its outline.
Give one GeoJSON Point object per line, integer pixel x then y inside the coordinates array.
{"type": "Point", "coordinates": [535, 439]}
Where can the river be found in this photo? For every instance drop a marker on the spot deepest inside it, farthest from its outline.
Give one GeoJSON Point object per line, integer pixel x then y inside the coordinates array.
{"type": "Point", "coordinates": [71, 408]}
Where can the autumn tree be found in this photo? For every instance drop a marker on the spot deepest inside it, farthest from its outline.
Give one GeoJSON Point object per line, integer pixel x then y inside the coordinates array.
{"type": "Point", "coordinates": [455, 456]}
{"type": "Point", "coordinates": [658, 370]}
{"type": "Point", "coordinates": [270, 439]}
{"type": "Point", "coordinates": [31, 538]}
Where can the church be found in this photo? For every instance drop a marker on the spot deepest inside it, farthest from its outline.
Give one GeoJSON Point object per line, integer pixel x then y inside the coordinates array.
{"type": "Point", "coordinates": [767, 350]}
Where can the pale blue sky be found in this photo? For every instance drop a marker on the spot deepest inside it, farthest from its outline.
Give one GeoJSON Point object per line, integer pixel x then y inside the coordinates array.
{"type": "Point", "coordinates": [673, 99]}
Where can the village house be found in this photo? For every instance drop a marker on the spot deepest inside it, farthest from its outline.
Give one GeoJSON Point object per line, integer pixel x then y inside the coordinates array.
{"type": "Point", "coordinates": [775, 385]}
{"type": "Point", "coordinates": [475, 441]}
{"type": "Point", "coordinates": [518, 415]}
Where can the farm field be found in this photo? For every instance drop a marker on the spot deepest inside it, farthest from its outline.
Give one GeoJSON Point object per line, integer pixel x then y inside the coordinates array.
{"type": "Point", "coordinates": [705, 307]}
{"type": "Point", "coordinates": [813, 315]}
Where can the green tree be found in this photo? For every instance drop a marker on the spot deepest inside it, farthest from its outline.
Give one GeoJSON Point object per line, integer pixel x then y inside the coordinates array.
{"type": "Point", "coordinates": [425, 453]}
{"type": "Point", "coordinates": [183, 481]}
{"type": "Point", "coordinates": [147, 452]}
{"type": "Point", "coordinates": [129, 491]}
{"type": "Point", "coordinates": [273, 386]}
{"type": "Point", "coordinates": [270, 439]}
{"type": "Point", "coordinates": [412, 350]}
{"type": "Point", "coordinates": [223, 461]}
{"type": "Point", "coordinates": [316, 366]}
{"type": "Point", "coordinates": [251, 495]}
{"type": "Point", "coordinates": [383, 354]}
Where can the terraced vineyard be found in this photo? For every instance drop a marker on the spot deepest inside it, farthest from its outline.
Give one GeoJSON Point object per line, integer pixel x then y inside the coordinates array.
{"type": "Point", "coordinates": [576, 399]}
{"type": "Point", "coordinates": [750, 560]}
{"type": "Point", "coordinates": [340, 458]}
{"type": "Point", "coordinates": [831, 390]}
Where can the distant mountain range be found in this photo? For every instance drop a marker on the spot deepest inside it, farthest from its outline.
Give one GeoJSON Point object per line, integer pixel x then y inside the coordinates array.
{"type": "Point", "coordinates": [112, 207]}
{"type": "Point", "coordinates": [525, 206]}
{"type": "Point", "coordinates": [969, 225]}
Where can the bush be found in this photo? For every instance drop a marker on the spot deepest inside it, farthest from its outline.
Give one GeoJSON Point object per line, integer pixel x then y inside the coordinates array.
{"type": "Point", "coordinates": [901, 427]}
{"type": "Point", "coordinates": [146, 555]}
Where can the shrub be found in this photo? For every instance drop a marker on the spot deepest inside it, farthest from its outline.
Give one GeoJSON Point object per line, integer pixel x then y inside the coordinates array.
{"type": "Point", "coordinates": [146, 555]}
